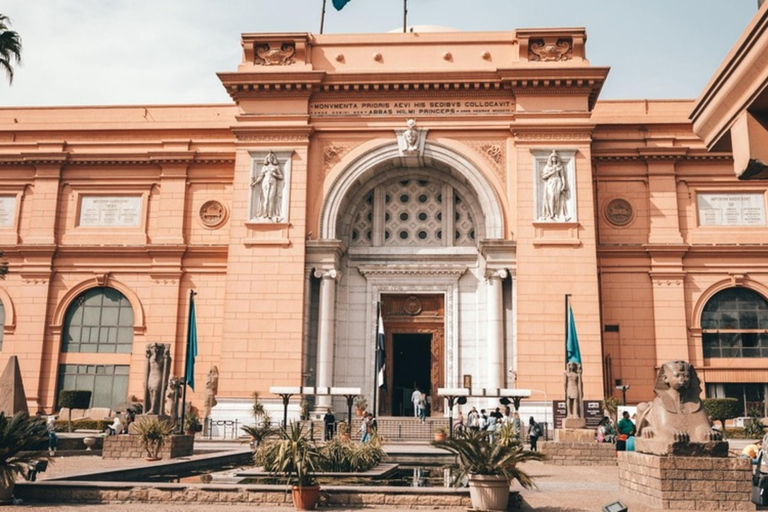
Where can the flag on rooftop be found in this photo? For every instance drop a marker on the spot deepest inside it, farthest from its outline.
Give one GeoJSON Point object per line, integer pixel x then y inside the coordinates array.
{"type": "Point", "coordinates": [339, 4]}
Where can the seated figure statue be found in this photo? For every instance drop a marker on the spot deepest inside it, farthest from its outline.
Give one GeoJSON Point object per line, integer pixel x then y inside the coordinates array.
{"type": "Point", "coordinates": [675, 422]}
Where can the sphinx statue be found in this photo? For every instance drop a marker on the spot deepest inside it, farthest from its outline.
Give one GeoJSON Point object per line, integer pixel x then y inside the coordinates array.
{"type": "Point", "coordinates": [675, 422]}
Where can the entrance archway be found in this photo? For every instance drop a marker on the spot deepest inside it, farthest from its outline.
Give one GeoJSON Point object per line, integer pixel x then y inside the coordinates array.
{"type": "Point", "coordinates": [414, 327]}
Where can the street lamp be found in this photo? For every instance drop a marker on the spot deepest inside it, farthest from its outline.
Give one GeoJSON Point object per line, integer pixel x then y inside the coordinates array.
{"type": "Point", "coordinates": [623, 388]}
{"type": "Point", "coordinates": [454, 396]}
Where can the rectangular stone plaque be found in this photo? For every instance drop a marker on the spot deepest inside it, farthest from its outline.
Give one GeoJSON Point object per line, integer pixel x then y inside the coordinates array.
{"type": "Point", "coordinates": [7, 211]}
{"type": "Point", "coordinates": [421, 108]}
{"type": "Point", "coordinates": [742, 209]}
{"type": "Point", "coordinates": [110, 211]}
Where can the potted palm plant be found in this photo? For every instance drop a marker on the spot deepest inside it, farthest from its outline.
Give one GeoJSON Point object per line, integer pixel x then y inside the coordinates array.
{"type": "Point", "coordinates": [441, 433]}
{"type": "Point", "coordinates": [489, 466]}
{"type": "Point", "coordinates": [153, 434]}
{"type": "Point", "coordinates": [22, 441]}
{"type": "Point", "coordinates": [295, 456]}
{"type": "Point", "coordinates": [261, 431]}
{"type": "Point", "coordinates": [361, 404]}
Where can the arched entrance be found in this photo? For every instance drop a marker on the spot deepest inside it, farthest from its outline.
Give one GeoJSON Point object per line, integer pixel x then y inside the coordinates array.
{"type": "Point", "coordinates": [414, 329]}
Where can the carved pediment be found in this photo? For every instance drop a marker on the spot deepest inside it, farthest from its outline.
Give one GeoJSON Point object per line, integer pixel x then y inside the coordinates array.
{"type": "Point", "coordinates": [550, 49]}
{"type": "Point", "coordinates": [275, 54]}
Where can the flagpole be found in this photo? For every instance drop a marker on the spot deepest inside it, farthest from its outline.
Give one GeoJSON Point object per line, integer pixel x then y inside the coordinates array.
{"type": "Point", "coordinates": [192, 293]}
{"type": "Point", "coordinates": [567, 298]}
{"type": "Point", "coordinates": [322, 17]}
{"type": "Point", "coordinates": [405, 15]}
{"type": "Point", "coordinates": [376, 361]}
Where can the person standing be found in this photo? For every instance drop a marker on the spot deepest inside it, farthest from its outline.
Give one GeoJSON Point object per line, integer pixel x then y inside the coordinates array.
{"type": "Point", "coordinates": [415, 397]}
{"type": "Point", "coordinates": [473, 420]}
{"type": "Point", "coordinates": [53, 438]}
{"type": "Point", "coordinates": [330, 424]}
{"type": "Point", "coordinates": [534, 433]}
{"type": "Point", "coordinates": [625, 425]}
{"type": "Point", "coordinates": [422, 405]}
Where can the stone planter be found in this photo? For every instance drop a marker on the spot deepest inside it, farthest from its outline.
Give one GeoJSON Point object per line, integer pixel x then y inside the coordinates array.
{"type": "Point", "coordinates": [89, 443]}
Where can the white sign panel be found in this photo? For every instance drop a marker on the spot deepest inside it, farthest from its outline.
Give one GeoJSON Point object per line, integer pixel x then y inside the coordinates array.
{"type": "Point", "coordinates": [731, 209]}
{"type": "Point", "coordinates": [110, 211]}
{"type": "Point", "coordinates": [7, 211]}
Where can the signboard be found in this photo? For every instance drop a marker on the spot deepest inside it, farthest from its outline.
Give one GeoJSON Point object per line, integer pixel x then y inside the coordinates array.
{"type": "Point", "coordinates": [593, 412]}
{"type": "Point", "coordinates": [110, 211]}
{"type": "Point", "coordinates": [7, 211]}
{"type": "Point", "coordinates": [744, 209]}
{"type": "Point", "coordinates": [420, 108]}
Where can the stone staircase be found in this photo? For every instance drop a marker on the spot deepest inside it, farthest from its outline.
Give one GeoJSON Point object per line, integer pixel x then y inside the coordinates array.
{"type": "Point", "coordinates": [394, 429]}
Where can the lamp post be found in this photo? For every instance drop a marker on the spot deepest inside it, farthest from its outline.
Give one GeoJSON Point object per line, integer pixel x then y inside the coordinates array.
{"type": "Point", "coordinates": [285, 393]}
{"type": "Point", "coordinates": [623, 388]}
{"type": "Point", "coordinates": [454, 396]}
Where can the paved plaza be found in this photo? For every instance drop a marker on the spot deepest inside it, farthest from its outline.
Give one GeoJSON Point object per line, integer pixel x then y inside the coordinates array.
{"type": "Point", "coordinates": [560, 488]}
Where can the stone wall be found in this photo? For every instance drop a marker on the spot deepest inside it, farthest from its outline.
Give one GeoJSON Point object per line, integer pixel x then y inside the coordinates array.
{"type": "Point", "coordinates": [578, 454]}
{"type": "Point", "coordinates": [687, 483]}
{"type": "Point", "coordinates": [130, 447]}
{"type": "Point", "coordinates": [129, 492]}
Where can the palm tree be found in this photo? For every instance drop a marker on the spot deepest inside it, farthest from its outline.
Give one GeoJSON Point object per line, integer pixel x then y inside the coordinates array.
{"type": "Point", "coordinates": [10, 47]}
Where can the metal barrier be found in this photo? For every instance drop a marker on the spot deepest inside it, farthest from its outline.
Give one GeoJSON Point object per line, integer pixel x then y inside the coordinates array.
{"type": "Point", "coordinates": [229, 428]}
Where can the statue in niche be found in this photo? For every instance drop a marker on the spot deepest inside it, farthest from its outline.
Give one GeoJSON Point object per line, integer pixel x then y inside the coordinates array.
{"type": "Point", "coordinates": [677, 416]}
{"type": "Point", "coordinates": [411, 137]}
{"type": "Point", "coordinates": [269, 179]}
{"type": "Point", "coordinates": [158, 369]}
{"type": "Point", "coordinates": [555, 189]}
{"type": "Point", "coordinates": [574, 391]}
{"type": "Point", "coordinates": [172, 397]}
{"type": "Point", "coordinates": [211, 389]}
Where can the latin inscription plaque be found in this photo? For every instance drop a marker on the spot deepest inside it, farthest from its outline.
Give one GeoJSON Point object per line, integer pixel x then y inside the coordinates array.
{"type": "Point", "coordinates": [7, 211]}
{"type": "Point", "coordinates": [418, 108]}
{"type": "Point", "coordinates": [110, 211]}
{"type": "Point", "coordinates": [744, 209]}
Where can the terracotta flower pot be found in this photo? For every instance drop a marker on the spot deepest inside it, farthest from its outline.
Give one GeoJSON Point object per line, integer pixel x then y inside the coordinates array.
{"type": "Point", "coordinates": [305, 498]}
{"type": "Point", "coordinates": [489, 492]}
{"type": "Point", "coordinates": [440, 436]}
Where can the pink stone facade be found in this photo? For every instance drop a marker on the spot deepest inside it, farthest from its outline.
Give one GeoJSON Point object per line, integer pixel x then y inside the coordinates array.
{"type": "Point", "coordinates": [180, 182]}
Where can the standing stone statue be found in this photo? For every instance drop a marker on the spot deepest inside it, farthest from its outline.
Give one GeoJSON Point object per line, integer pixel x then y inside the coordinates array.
{"type": "Point", "coordinates": [555, 189]}
{"type": "Point", "coordinates": [158, 370]}
{"type": "Point", "coordinates": [574, 391]}
{"type": "Point", "coordinates": [675, 422]}
{"type": "Point", "coordinates": [172, 397]}
{"type": "Point", "coordinates": [211, 389]}
{"type": "Point", "coordinates": [269, 179]}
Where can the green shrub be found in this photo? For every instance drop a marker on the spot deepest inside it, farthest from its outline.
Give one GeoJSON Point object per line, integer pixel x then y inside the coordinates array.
{"type": "Point", "coordinates": [74, 399]}
{"type": "Point", "coordinates": [345, 456]}
{"type": "Point", "coordinates": [755, 427]}
{"type": "Point", "coordinates": [721, 409]}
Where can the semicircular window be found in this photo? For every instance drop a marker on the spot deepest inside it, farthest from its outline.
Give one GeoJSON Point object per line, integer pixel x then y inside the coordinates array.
{"type": "Point", "coordinates": [734, 323]}
{"type": "Point", "coordinates": [98, 320]}
{"type": "Point", "coordinates": [416, 217]}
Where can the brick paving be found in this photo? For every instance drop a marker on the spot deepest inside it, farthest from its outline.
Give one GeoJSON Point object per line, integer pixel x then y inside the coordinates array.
{"type": "Point", "coordinates": [560, 489]}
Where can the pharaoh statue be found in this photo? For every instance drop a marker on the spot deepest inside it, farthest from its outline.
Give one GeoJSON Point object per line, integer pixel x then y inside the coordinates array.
{"type": "Point", "coordinates": [211, 389]}
{"type": "Point", "coordinates": [675, 422]}
{"type": "Point", "coordinates": [172, 397]}
{"type": "Point", "coordinates": [554, 203]}
{"type": "Point", "coordinates": [268, 181]}
{"type": "Point", "coordinates": [158, 370]}
{"type": "Point", "coordinates": [574, 391]}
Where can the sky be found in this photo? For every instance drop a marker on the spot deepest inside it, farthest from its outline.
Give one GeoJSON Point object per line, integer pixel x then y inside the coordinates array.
{"type": "Point", "coordinates": [148, 52]}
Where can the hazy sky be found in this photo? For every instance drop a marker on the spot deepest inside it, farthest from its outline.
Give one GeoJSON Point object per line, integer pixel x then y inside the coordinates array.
{"type": "Point", "coordinates": [107, 52]}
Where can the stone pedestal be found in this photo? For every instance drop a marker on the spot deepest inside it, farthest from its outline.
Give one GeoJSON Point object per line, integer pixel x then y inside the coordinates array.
{"type": "Point", "coordinates": [682, 449]}
{"type": "Point", "coordinates": [575, 435]}
{"type": "Point", "coordinates": [686, 483]}
{"type": "Point", "coordinates": [574, 423]}
{"type": "Point", "coordinates": [129, 447]}
{"type": "Point", "coordinates": [578, 454]}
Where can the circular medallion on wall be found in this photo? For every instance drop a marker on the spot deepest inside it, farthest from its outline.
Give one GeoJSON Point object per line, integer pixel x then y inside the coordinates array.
{"type": "Point", "coordinates": [213, 214]}
{"type": "Point", "coordinates": [412, 305]}
{"type": "Point", "coordinates": [619, 212]}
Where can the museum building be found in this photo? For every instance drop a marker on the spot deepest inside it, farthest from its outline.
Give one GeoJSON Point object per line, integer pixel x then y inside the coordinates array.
{"type": "Point", "coordinates": [465, 183]}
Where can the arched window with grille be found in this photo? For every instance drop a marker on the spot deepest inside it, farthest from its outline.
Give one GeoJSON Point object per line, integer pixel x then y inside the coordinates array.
{"type": "Point", "coordinates": [734, 323]}
{"type": "Point", "coordinates": [99, 320]}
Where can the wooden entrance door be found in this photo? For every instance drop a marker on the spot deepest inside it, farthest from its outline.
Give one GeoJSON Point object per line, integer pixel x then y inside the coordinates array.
{"type": "Point", "coordinates": [412, 319]}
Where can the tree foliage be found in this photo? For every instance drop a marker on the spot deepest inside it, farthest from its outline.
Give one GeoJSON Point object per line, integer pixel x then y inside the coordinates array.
{"type": "Point", "coordinates": [74, 399]}
{"type": "Point", "coordinates": [21, 437]}
{"type": "Point", "coordinates": [10, 47]}
{"type": "Point", "coordinates": [721, 409]}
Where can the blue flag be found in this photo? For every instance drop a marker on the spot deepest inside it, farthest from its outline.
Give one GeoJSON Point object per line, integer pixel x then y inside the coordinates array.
{"type": "Point", "coordinates": [339, 4]}
{"type": "Point", "coordinates": [572, 352]}
{"type": "Point", "coordinates": [189, 367]}
{"type": "Point", "coordinates": [381, 362]}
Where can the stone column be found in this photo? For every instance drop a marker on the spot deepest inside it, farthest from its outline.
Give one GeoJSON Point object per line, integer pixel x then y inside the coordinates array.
{"type": "Point", "coordinates": [495, 365]}
{"type": "Point", "coordinates": [326, 334]}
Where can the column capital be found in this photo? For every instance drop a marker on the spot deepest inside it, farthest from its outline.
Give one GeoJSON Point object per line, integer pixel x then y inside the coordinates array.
{"type": "Point", "coordinates": [496, 273]}
{"type": "Point", "coordinates": [327, 273]}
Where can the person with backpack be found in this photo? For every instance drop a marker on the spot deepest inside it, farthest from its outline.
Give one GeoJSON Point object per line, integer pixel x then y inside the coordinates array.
{"type": "Point", "coordinates": [483, 420]}
{"type": "Point", "coordinates": [534, 433]}
{"type": "Point", "coordinates": [473, 420]}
